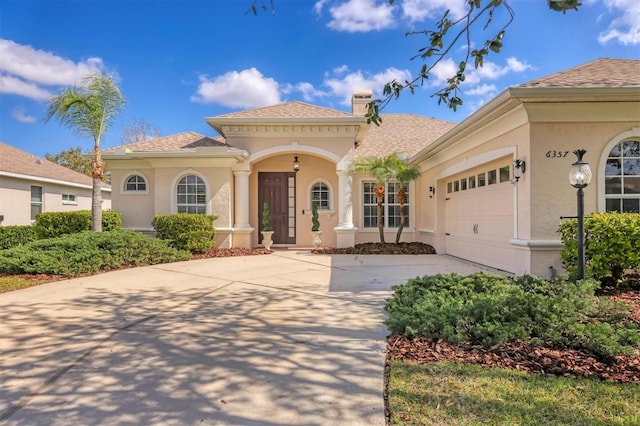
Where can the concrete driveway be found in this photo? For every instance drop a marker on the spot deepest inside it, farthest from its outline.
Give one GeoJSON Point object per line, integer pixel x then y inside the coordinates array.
{"type": "Point", "coordinates": [290, 338]}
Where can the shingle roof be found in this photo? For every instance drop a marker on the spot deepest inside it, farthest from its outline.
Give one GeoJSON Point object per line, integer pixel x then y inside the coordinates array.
{"type": "Point", "coordinates": [402, 134]}
{"type": "Point", "coordinates": [292, 109]}
{"type": "Point", "coordinates": [14, 160]}
{"type": "Point", "coordinates": [175, 142]}
{"type": "Point", "coordinates": [602, 72]}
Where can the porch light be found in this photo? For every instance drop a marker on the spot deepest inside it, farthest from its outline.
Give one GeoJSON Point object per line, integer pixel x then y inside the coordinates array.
{"type": "Point", "coordinates": [579, 177]}
{"type": "Point", "coordinates": [519, 167]}
{"type": "Point", "coordinates": [296, 164]}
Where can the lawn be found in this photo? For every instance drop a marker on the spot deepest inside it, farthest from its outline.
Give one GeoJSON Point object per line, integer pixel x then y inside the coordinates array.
{"type": "Point", "coordinates": [445, 393]}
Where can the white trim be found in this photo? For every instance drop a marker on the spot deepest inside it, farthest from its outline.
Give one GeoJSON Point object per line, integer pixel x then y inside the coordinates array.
{"type": "Point", "coordinates": [411, 206]}
{"type": "Point", "coordinates": [294, 147]}
{"type": "Point", "coordinates": [602, 164]}
{"type": "Point", "coordinates": [477, 160]}
{"type": "Point", "coordinates": [126, 177]}
{"type": "Point", "coordinates": [49, 180]}
{"type": "Point", "coordinates": [331, 195]}
{"type": "Point", "coordinates": [174, 187]}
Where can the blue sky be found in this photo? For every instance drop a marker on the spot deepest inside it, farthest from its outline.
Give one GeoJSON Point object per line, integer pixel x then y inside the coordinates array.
{"type": "Point", "coordinates": [178, 61]}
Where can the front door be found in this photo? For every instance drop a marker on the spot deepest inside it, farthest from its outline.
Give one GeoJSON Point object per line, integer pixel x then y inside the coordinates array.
{"type": "Point", "coordinates": [279, 190]}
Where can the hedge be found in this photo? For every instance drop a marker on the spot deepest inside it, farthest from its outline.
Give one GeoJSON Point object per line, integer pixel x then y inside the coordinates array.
{"type": "Point", "coordinates": [55, 224]}
{"type": "Point", "coordinates": [12, 236]}
{"type": "Point", "coordinates": [186, 231]}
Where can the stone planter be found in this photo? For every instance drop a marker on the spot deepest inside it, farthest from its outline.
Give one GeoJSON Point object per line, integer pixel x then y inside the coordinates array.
{"type": "Point", "coordinates": [315, 239]}
{"type": "Point", "coordinates": [266, 239]}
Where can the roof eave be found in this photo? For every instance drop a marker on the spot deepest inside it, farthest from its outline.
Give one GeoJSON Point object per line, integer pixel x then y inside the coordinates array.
{"type": "Point", "coordinates": [219, 122]}
{"type": "Point", "coordinates": [213, 152]}
{"type": "Point", "coordinates": [43, 179]}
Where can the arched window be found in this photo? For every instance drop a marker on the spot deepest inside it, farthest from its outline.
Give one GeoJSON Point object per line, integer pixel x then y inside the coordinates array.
{"type": "Point", "coordinates": [191, 195]}
{"type": "Point", "coordinates": [622, 177]}
{"type": "Point", "coordinates": [135, 183]}
{"type": "Point", "coordinates": [321, 194]}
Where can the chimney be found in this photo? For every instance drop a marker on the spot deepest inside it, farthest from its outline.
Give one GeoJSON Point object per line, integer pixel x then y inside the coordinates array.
{"type": "Point", "coordinates": [359, 101]}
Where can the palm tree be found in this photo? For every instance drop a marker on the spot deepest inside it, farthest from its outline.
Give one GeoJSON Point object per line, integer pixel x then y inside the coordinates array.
{"type": "Point", "coordinates": [90, 111]}
{"type": "Point", "coordinates": [403, 173]}
{"type": "Point", "coordinates": [381, 170]}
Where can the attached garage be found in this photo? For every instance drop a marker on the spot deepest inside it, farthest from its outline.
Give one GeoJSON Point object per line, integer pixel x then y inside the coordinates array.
{"type": "Point", "coordinates": [479, 219]}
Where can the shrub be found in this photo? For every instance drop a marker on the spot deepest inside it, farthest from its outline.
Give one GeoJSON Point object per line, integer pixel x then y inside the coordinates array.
{"type": "Point", "coordinates": [87, 252]}
{"type": "Point", "coordinates": [12, 236]}
{"type": "Point", "coordinates": [612, 242]}
{"type": "Point", "coordinates": [186, 231]}
{"type": "Point", "coordinates": [55, 224]}
{"type": "Point", "coordinates": [493, 309]}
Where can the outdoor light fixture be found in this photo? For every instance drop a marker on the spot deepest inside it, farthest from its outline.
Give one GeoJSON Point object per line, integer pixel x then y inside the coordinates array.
{"type": "Point", "coordinates": [296, 164]}
{"type": "Point", "coordinates": [432, 191]}
{"type": "Point", "coordinates": [519, 167]}
{"type": "Point", "coordinates": [579, 177]}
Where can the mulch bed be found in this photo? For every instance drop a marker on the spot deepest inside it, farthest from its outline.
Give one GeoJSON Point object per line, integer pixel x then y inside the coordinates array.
{"type": "Point", "coordinates": [380, 248]}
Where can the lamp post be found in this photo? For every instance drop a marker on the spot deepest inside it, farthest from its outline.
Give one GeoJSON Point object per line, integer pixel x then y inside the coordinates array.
{"type": "Point", "coordinates": [579, 177]}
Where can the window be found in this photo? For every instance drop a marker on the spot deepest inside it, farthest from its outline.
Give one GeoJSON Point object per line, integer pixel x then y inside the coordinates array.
{"type": "Point", "coordinates": [492, 177]}
{"type": "Point", "coordinates": [472, 182]}
{"type": "Point", "coordinates": [36, 201]}
{"type": "Point", "coordinates": [463, 184]}
{"type": "Point", "coordinates": [504, 173]}
{"type": "Point", "coordinates": [449, 187]}
{"type": "Point", "coordinates": [135, 183]}
{"type": "Point", "coordinates": [191, 195]}
{"type": "Point", "coordinates": [622, 177]}
{"type": "Point", "coordinates": [481, 179]}
{"type": "Point", "coordinates": [456, 186]}
{"type": "Point", "coordinates": [390, 206]}
{"type": "Point", "coordinates": [320, 194]}
{"type": "Point", "coordinates": [68, 199]}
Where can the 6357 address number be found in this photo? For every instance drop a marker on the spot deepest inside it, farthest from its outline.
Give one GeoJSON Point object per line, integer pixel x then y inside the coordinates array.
{"type": "Point", "coordinates": [557, 154]}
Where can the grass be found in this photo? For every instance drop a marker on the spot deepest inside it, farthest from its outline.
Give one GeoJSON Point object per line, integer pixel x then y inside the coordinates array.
{"type": "Point", "coordinates": [9, 283]}
{"type": "Point", "coordinates": [445, 393]}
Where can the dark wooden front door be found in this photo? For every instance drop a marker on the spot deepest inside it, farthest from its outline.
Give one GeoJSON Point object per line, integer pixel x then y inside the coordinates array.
{"type": "Point", "coordinates": [279, 190]}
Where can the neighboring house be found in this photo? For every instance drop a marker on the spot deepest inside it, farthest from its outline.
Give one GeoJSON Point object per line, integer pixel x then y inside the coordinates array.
{"type": "Point", "coordinates": [467, 201]}
{"type": "Point", "coordinates": [30, 185]}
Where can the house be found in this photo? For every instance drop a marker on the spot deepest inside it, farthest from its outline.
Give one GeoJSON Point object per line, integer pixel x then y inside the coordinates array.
{"type": "Point", "coordinates": [30, 185]}
{"type": "Point", "coordinates": [471, 201]}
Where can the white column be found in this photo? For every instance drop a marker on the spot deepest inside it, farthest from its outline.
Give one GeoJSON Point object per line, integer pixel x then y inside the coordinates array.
{"type": "Point", "coordinates": [345, 231]}
{"type": "Point", "coordinates": [241, 199]}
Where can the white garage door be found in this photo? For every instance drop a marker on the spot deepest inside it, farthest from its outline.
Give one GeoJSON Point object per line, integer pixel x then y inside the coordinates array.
{"type": "Point", "coordinates": [479, 217]}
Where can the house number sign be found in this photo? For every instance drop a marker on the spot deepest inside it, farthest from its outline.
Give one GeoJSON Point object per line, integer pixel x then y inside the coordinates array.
{"type": "Point", "coordinates": [557, 154]}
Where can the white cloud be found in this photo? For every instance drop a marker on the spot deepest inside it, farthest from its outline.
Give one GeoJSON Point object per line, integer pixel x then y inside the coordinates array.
{"type": "Point", "coordinates": [15, 86]}
{"type": "Point", "coordinates": [343, 85]}
{"type": "Point", "coordinates": [20, 114]}
{"type": "Point", "coordinates": [625, 27]}
{"type": "Point", "coordinates": [24, 70]}
{"type": "Point", "coordinates": [238, 89]}
{"type": "Point", "coordinates": [359, 15]}
{"type": "Point", "coordinates": [489, 71]}
{"type": "Point", "coordinates": [419, 10]}
{"type": "Point", "coordinates": [483, 90]}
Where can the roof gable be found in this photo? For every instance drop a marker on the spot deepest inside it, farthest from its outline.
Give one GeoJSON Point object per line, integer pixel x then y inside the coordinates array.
{"type": "Point", "coordinates": [14, 160]}
{"type": "Point", "coordinates": [185, 140]}
{"type": "Point", "coordinates": [292, 109]}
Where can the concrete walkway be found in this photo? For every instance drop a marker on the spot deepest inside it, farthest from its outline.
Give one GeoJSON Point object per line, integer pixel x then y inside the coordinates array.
{"type": "Point", "coordinates": [290, 338]}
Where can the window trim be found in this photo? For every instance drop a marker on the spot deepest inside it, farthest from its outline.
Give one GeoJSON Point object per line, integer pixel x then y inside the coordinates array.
{"type": "Point", "coordinates": [125, 179]}
{"type": "Point", "coordinates": [633, 134]}
{"type": "Point", "coordinates": [174, 190]}
{"type": "Point", "coordinates": [36, 203]}
{"type": "Point", "coordinates": [69, 202]}
{"type": "Point", "coordinates": [410, 207]}
{"type": "Point", "coordinates": [331, 209]}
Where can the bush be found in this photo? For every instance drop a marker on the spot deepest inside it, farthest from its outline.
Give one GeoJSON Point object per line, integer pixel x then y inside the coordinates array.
{"type": "Point", "coordinates": [186, 231]}
{"type": "Point", "coordinates": [88, 252]}
{"type": "Point", "coordinates": [12, 236]}
{"type": "Point", "coordinates": [493, 309]}
{"type": "Point", "coordinates": [612, 242]}
{"type": "Point", "coordinates": [55, 224]}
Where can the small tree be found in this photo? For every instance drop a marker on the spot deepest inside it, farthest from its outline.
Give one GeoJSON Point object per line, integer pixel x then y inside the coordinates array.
{"type": "Point", "coordinates": [90, 111]}
{"type": "Point", "coordinates": [381, 170]}
{"type": "Point", "coordinates": [266, 217]}
{"type": "Point", "coordinates": [315, 223]}
{"type": "Point", "coordinates": [403, 173]}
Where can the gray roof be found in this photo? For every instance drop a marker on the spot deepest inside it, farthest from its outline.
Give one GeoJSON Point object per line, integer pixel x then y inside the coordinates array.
{"type": "Point", "coordinates": [14, 160]}
{"type": "Point", "coordinates": [186, 140]}
{"type": "Point", "coordinates": [292, 109]}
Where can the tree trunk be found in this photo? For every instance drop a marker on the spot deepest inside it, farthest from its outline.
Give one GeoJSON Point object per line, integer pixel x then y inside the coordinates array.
{"type": "Point", "coordinates": [401, 199]}
{"type": "Point", "coordinates": [380, 199]}
{"type": "Point", "coordinates": [96, 194]}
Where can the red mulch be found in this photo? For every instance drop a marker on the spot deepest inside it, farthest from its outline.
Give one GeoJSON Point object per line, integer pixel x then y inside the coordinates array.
{"type": "Point", "coordinates": [380, 248]}
{"type": "Point", "coordinates": [522, 356]}
{"type": "Point", "coordinates": [230, 252]}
